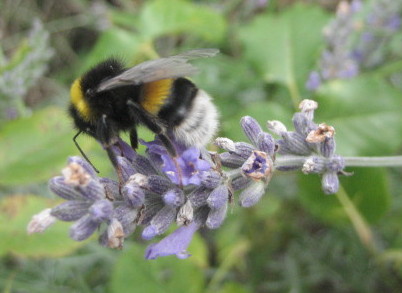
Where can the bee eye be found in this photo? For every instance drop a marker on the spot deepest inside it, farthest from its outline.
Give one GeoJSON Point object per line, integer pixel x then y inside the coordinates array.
{"type": "Point", "coordinates": [89, 92]}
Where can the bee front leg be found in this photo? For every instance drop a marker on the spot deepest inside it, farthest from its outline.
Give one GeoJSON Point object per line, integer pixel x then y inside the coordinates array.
{"type": "Point", "coordinates": [108, 136]}
{"type": "Point", "coordinates": [153, 124]}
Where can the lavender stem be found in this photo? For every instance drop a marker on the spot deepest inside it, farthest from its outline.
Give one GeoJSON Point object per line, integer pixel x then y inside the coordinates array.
{"type": "Point", "coordinates": [394, 161]}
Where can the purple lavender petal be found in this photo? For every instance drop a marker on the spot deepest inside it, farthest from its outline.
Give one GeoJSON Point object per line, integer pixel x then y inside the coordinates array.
{"type": "Point", "coordinates": [176, 243]}
{"type": "Point", "coordinates": [314, 81]}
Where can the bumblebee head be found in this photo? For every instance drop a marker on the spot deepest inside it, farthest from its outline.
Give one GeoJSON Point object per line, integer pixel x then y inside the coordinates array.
{"type": "Point", "coordinates": [85, 88]}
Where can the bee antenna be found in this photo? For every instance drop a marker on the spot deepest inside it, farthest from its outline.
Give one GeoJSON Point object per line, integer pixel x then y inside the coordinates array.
{"type": "Point", "coordinates": [82, 152]}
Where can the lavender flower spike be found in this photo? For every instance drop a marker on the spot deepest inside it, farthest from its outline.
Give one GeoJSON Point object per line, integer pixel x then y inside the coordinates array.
{"type": "Point", "coordinates": [173, 244]}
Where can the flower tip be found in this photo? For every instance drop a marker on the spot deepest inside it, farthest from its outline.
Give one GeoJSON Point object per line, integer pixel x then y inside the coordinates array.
{"type": "Point", "coordinates": [40, 222]}
{"type": "Point", "coordinates": [149, 232]}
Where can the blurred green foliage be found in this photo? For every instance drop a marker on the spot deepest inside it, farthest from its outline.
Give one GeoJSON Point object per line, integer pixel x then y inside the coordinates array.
{"type": "Point", "coordinates": [296, 239]}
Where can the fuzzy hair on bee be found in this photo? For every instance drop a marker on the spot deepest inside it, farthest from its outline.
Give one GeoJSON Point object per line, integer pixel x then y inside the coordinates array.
{"type": "Point", "coordinates": [110, 99]}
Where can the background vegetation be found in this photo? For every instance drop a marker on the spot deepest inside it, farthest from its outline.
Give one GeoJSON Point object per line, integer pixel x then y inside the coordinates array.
{"type": "Point", "coordinates": [296, 239]}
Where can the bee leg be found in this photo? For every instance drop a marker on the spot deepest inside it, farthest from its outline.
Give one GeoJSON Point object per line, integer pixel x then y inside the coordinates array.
{"type": "Point", "coordinates": [107, 135]}
{"type": "Point", "coordinates": [157, 127]}
{"type": "Point", "coordinates": [153, 124]}
{"type": "Point", "coordinates": [134, 138]}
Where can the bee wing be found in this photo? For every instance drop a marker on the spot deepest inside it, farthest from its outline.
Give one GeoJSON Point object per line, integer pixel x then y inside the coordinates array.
{"type": "Point", "coordinates": [163, 68]}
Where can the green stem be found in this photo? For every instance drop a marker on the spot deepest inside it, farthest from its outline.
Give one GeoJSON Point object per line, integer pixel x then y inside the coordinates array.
{"type": "Point", "coordinates": [359, 223]}
{"type": "Point", "coordinates": [395, 161]}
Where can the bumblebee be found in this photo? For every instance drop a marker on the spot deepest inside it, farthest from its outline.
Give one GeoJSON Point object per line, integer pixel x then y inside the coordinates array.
{"type": "Point", "coordinates": [109, 99]}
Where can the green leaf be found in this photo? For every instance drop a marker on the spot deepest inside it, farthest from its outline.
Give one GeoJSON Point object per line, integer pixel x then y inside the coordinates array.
{"type": "Point", "coordinates": [16, 212]}
{"type": "Point", "coordinates": [35, 148]}
{"type": "Point", "coordinates": [285, 47]}
{"type": "Point", "coordinates": [166, 274]}
{"type": "Point", "coordinates": [162, 17]}
{"type": "Point", "coordinates": [367, 188]}
{"type": "Point", "coordinates": [114, 42]}
{"type": "Point", "coordinates": [366, 113]}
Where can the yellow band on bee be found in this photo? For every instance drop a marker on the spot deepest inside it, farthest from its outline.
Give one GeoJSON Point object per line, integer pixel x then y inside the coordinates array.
{"type": "Point", "coordinates": [78, 100]}
{"type": "Point", "coordinates": [155, 94]}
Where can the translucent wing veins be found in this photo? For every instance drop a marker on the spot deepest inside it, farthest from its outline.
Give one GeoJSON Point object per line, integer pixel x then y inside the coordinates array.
{"type": "Point", "coordinates": [163, 68]}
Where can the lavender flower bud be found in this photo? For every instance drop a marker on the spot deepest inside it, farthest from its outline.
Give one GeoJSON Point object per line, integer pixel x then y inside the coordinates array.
{"type": "Point", "coordinates": [160, 222]}
{"type": "Point", "coordinates": [266, 143]}
{"type": "Point", "coordinates": [158, 184]}
{"type": "Point", "coordinates": [240, 182]}
{"type": "Point", "coordinates": [185, 214]}
{"type": "Point", "coordinates": [252, 194]}
{"type": "Point", "coordinates": [231, 160]}
{"type": "Point", "coordinates": [143, 165]}
{"type": "Point", "coordinates": [133, 194]}
{"type": "Point", "coordinates": [295, 143]}
{"type": "Point", "coordinates": [83, 163]}
{"type": "Point", "coordinates": [259, 166]}
{"type": "Point", "coordinates": [243, 149]}
{"type": "Point", "coordinates": [216, 217]}
{"type": "Point", "coordinates": [93, 190]}
{"type": "Point", "coordinates": [211, 179]}
{"type": "Point", "coordinates": [330, 182]}
{"type": "Point", "coordinates": [276, 127]}
{"type": "Point", "coordinates": [251, 128]}
{"type": "Point", "coordinates": [218, 197]}
{"type": "Point", "coordinates": [307, 107]}
{"type": "Point", "coordinates": [111, 188]}
{"type": "Point", "coordinates": [83, 228]}
{"type": "Point", "coordinates": [174, 197]}
{"type": "Point", "coordinates": [198, 197]}
{"type": "Point", "coordinates": [71, 210]}
{"type": "Point", "coordinates": [303, 124]}
{"type": "Point", "coordinates": [314, 164]}
{"type": "Point", "coordinates": [139, 179]}
{"type": "Point", "coordinates": [126, 168]}
{"type": "Point", "coordinates": [40, 222]}
{"type": "Point", "coordinates": [225, 143]}
{"type": "Point", "coordinates": [324, 131]}
{"type": "Point", "coordinates": [59, 187]}
{"type": "Point", "coordinates": [336, 164]}
{"type": "Point", "coordinates": [113, 237]}
{"type": "Point", "coordinates": [327, 147]}
{"type": "Point", "coordinates": [101, 210]}
{"type": "Point", "coordinates": [75, 175]}
{"type": "Point", "coordinates": [127, 218]}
